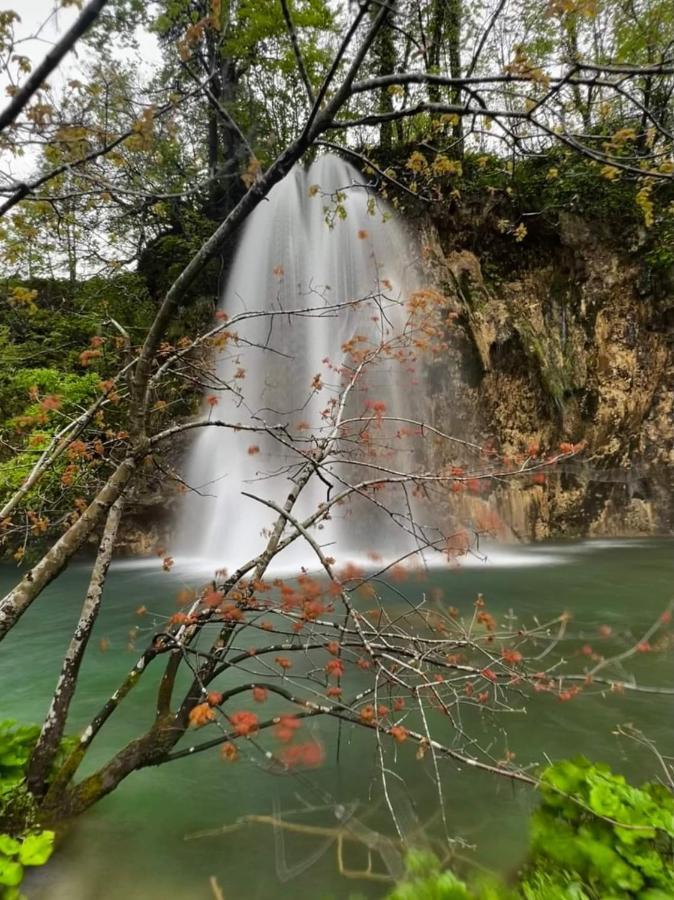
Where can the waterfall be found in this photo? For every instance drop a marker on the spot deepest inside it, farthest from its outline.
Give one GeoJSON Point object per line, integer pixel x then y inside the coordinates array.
{"type": "Point", "coordinates": [319, 241]}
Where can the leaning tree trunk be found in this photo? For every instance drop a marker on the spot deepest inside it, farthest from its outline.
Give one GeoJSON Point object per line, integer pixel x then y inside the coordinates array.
{"type": "Point", "coordinates": [54, 724]}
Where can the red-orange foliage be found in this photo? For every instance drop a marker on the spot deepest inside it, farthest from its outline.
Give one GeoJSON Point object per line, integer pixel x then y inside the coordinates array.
{"type": "Point", "coordinates": [231, 613]}
{"type": "Point", "coordinates": [229, 752]}
{"type": "Point", "coordinates": [568, 694]}
{"type": "Point", "coordinates": [486, 619]}
{"type": "Point", "coordinates": [78, 450]}
{"type": "Point", "coordinates": [334, 668]}
{"type": "Point", "coordinates": [399, 733]}
{"type": "Point", "coordinates": [286, 727]}
{"type": "Point", "coordinates": [351, 572]}
{"type": "Point", "coordinates": [50, 402]}
{"type": "Point", "coordinates": [244, 723]}
{"type": "Point", "coordinates": [201, 715]}
{"type": "Point", "coordinates": [310, 754]}
{"type": "Point", "coordinates": [367, 714]}
{"type": "Point", "coordinates": [212, 598]}
{"type": "Point", "coordinates": [181, 619]}
{"type": "Point", "coordinates": [86, 356]}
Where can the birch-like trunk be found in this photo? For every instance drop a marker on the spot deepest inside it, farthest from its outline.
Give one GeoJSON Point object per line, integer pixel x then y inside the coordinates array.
{"type": "Point", "coordinates": [55, 721]}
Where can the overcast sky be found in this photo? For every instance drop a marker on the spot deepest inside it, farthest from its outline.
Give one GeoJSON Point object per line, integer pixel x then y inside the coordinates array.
{"type": "Point", "coordinates": [46, 20]}
{"type": "Point", "coordinates": [34, 13]}
{"type": "Point", "coordinates": [42, 23]}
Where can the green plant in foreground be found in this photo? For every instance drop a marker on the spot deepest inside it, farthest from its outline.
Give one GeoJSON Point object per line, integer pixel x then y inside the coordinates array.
{"type": "Point", "coordinates": [27, 845]}
{"type": "Point", "coordinates": [594, 837]}
{"type": "Point", "coordinates": [17, 853]}
{"type": "Point", "coordinates": [617, 838]}
{"type": "Point", "coordinates": [426, 881]}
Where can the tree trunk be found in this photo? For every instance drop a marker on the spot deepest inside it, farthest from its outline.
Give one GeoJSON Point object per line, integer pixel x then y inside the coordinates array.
{"type": "Point", "coordinates": [454, 39]}
{"type": "Point", "coordinates": [54, 724]}
{"type": "Point", "coordinates": [148, 750]}
{"type": "Point", "coordinates": [385, 53]}
{"type": "Point", "coordinates": [445, 26]}
{"type": "Point", "coordinates": [225, 146]}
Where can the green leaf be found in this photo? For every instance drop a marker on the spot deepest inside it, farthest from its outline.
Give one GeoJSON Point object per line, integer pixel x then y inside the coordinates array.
{"type": "Point", "coordinates": [13, 893]}
{"type": "Point", "coordinates": [8, 845]}
{"type": "Point", "coordinates": [11, 872]}
{"type": "Point", "coordinates": [37, 848]}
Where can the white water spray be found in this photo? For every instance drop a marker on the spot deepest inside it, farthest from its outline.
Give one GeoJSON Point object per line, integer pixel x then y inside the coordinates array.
{"type": "Point", "coordinates": [330, 271]}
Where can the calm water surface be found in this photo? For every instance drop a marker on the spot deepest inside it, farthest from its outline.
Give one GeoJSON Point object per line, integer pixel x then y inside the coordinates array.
{"type": "Point", "coordinates": [133, 846]}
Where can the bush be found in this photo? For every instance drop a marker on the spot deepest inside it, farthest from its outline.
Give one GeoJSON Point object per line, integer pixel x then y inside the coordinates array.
{"type": "Point", "coordinates": [22, 842]}
{"type": "Point", "coordinates": [594, 837]}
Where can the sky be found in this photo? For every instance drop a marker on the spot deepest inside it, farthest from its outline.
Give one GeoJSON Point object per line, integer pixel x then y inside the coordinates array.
{"type": "Point", "coordinates": [42, 22]}
{"type": "Point", "coordinates": [50, 20]}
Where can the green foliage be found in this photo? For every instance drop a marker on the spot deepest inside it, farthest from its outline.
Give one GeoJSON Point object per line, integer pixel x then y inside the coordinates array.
{"type": "Point", "coordinates": [616, 837]}
{"type": "Point", "coordinates": [594, 837]}
{"type": "Point", "coordinates": [562, 886]}
{"type": "Point", "coordinates": [16, 745]}
{"type": "Point", "coordinates": [426, 881]}
{"type": "Point", "coordinates": [34, 404]}
{"type": "Point", "coordinates": [515, 208]}
{"type": "Point", "coordinates": [16, 853]}
{"type": "Point", "coordinates": [27, 845]}
{"type": "Point", "coordinates": [263, 92]}
{"type": "Point", "coordinates": [60, 344]}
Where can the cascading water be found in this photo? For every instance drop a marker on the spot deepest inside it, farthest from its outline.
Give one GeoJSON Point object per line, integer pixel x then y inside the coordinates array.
{"type": "Point", "coordinates": [329, 271]}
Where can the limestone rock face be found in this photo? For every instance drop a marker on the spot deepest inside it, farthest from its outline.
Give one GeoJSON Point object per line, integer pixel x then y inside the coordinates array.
{"type": "Point", "coordinates": [565, 347]}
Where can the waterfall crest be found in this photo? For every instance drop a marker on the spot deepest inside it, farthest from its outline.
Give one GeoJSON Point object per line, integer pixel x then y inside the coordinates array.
{"type": "Point", "coordinates": [329, 269]}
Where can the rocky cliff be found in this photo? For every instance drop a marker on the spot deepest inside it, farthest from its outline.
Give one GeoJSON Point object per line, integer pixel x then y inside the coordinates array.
{"type": "Point", "coordinates": [572, 340]}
